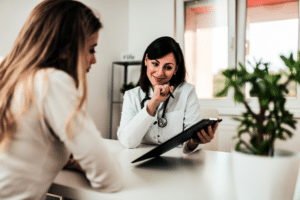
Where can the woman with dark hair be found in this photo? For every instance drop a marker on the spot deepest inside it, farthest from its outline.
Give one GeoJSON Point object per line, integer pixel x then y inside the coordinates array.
{"type": "Point", "coordinates": [43, 107]}
{"type": "Point", "coordinates": [149, 115]}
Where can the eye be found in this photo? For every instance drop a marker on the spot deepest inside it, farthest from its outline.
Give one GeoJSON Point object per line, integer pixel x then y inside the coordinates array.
{"type": "Point", "coordinates": [169, 67]}
{"type": "Point", "coordinates": [92, 51]}
{"type": "Point", "coordinates": [155, 64]}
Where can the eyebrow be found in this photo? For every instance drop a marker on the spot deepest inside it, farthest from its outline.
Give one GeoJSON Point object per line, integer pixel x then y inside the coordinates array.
{"type": "Point", "coordinates": [166, 63]}
{"type": "Point", "coordinates": [94, 45]}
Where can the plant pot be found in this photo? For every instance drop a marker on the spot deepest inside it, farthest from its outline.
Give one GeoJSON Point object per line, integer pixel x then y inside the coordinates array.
{"type": "Point", "coordinates": [266, 178]}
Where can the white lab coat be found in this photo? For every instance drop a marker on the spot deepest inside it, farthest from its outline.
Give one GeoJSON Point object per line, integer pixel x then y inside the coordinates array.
{"type": "Point", "coordinates": [137, 126]}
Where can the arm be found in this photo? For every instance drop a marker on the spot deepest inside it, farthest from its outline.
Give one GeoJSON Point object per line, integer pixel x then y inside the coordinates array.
{"type": "Point", "coordinates": [134, 122]}
{"type": "Point", "coordinates": [87, 145]}
{"type": "Point", "coordinates": [192, 111]}
{"type": "Point", "coordinates": [192, 116]}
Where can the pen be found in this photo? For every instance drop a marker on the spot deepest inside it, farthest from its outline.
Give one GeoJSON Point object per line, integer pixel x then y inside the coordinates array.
{"type": "Point", "coordinates": [171, 94]}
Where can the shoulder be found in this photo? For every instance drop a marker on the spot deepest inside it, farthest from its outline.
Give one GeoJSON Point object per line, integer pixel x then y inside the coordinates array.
{"type": "Point", "coordinates": [134, 92]}
{"type": "Point", "coordinates": [186, 86]}
{"type": "Point", "coordinates": [51, 79]}
{"type": "Point", "coordinates": [55, 75]}
{"type": "Point", "coordinates": [134, 96]}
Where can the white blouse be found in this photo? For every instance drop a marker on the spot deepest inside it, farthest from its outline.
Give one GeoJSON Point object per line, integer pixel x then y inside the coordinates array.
{"type": "Point", "coordinates": [40, 147]}
{"type": "Point", "coordinates": [137, 126]}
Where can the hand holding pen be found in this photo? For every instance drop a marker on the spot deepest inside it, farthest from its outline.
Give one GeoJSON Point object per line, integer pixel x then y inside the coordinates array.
{"type": "Point", "coordinates": [160, 94]}
{"type": "Point", "coordinates": [164, 91]}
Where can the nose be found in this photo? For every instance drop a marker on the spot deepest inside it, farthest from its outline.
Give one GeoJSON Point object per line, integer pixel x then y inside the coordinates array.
{"type": "Point", "coordinates": [93, 60]}
{"type": "Point", "coordinates": [160, 71]}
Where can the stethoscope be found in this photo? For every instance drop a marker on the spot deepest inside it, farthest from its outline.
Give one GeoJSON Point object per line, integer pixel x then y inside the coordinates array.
{"type": "Point", "coordinates": [161, 121]}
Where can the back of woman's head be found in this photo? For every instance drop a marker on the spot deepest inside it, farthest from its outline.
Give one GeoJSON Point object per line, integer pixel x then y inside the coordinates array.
{"type": "Point", "coordinates": [158, 49]}
{"type": "Point", "coordinates": [53, 36]}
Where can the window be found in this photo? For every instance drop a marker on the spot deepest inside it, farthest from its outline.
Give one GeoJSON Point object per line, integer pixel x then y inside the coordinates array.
{"type": "Point", "coordinates": [206, 45]}
{"type": "Point", "coordinates": [218, 34]}
{"type": "Point", "coordinates": [272, 30]}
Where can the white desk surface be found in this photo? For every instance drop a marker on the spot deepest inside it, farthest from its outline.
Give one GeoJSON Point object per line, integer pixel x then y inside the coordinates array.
{"type": "Point", "coordinates": [202, 175]}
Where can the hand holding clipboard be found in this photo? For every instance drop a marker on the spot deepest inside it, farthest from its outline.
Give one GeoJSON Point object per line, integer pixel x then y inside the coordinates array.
{"type": "Point", "coordinates": [178, 139]}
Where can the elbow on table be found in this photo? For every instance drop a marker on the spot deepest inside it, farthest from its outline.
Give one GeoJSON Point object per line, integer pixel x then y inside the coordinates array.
{"type": "Point", "coordinates": [110, 185]}
{"type": "Point", "coordinates": [128, 142]}
{"type": "Point", "coordinates": [115, 187]}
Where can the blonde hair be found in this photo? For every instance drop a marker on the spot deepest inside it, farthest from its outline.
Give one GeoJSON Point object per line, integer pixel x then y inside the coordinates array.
{"type": "Point", "coordinates": [54, 36]}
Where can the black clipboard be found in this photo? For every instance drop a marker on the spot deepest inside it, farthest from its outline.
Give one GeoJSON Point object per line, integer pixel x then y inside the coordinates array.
{"type": "Point", "coordinates": [178, 139]}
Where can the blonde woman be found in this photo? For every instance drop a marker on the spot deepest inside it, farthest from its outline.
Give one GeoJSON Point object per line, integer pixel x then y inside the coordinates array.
{"type": "Point", "coordinates": [42, 103]}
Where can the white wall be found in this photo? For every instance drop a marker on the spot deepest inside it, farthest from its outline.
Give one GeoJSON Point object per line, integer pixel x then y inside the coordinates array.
{"type": "Point", "coordinates": [113, 40]}
{"type": "Point", "coordinates": [13, 15]}
{"type": "Point", "coordinates": [148, 20]}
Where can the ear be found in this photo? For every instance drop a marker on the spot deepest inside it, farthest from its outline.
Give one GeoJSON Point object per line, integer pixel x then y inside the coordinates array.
{"type": "Point", "coordinates": [146, 59]}
{"type": "Point", "coordinates": [176, 69]}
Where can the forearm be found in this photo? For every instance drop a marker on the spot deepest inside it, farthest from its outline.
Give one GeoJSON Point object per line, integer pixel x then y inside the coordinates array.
{"type": "Point", "coordinates": [132, 131]}
{"type": "Point", "coordinates": [95, 160]}
{"type": "Point", "coordinates": [151, 107]}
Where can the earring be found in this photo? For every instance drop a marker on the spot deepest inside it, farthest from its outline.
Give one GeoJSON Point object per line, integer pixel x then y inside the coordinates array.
{"type": "Point", "coordinates": [174, 73]}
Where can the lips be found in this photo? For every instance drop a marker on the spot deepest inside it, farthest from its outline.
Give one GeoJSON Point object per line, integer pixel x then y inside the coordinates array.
{"type": "Point", "coordinates": [158, 79]}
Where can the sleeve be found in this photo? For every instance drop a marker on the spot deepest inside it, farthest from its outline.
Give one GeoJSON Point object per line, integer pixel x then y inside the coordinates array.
{"type": "Point", "coordinates": [87, 144]}
{"type": "Point", "coordinates": [192, 116]}
{"type": "Point", "coordinates": [134, 122]}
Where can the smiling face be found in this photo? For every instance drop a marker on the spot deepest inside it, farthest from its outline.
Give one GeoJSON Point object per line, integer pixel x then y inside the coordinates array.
{"type": "Point", "coordinates": [161, 70]}
{"type": "Point", "coordinates": [90, 50]}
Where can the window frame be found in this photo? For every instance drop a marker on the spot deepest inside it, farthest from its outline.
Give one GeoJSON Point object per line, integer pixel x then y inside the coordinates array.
{"type": "Point", "coordinates": [237, 13]}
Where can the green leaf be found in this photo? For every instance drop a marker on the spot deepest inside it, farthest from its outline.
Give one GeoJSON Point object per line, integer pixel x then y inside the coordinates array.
{"type": "Point", "coordinates": [238, 146]}
{"type": "Point", "coordinates": [223, 92]}
{"type": "Point", "coordinates": [291, 59]}
{"type": "Point", "coordinates": [264, 102]}
{"type": "Point", "coordinates": [126, 87]}
{"type": "Point", "coordinates": [286, 61]}
{"type": "Point", "coordinates": [229, 73]}
{"type": "Point", "coordinates": [253, 141]}
{"type": "Point", "coordinates": [239, 96]}
{"type": "Point", "coordinates": [288, 132]}
{"type": "Point", "coordinates": [263, 148]}
{"type": "Point", "coordinates": [270, 126]}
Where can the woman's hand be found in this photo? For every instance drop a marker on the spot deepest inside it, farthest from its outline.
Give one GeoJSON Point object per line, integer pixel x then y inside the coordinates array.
{"type": "Point", "coordinates": [160, 94]}
{"type": "Point", "coordinates": [72, 164]}
{"type": "Point", "coordinates": [203, 137]}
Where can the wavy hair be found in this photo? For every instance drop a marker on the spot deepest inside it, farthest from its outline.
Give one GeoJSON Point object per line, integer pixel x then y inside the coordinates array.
{"type": "Point", "coordinates": [53, 36]}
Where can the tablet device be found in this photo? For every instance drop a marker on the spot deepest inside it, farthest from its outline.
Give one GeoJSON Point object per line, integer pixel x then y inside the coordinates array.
{"type": "Point", "coordinates": [178, 139]}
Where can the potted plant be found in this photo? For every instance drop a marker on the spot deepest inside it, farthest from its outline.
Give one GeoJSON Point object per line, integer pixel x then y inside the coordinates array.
{"type": "Point", "coordinates": [126, 86]}
{"type": "Point", "coordinates": [260, 171]}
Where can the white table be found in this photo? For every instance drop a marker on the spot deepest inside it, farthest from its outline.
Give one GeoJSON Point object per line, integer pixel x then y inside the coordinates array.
{"type": "Point", "coordinates": [202, 175]}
